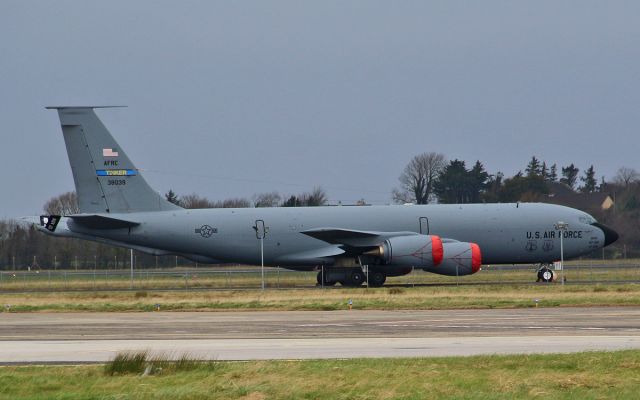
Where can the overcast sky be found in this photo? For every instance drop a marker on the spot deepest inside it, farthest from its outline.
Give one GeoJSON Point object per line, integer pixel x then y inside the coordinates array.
{"type": "Point", "coordinates": [232, 98]}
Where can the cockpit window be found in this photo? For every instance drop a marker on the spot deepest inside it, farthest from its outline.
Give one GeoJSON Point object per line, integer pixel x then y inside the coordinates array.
{"type": "Point", "coordinates": [587, 219]}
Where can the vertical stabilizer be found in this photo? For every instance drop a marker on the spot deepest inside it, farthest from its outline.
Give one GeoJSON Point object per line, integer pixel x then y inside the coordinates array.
{"type": "Point", "coordinates": [106, 180]}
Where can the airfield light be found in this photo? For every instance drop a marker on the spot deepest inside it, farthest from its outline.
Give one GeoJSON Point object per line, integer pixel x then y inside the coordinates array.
{"type": "Point", "coordinates": [562, 227]}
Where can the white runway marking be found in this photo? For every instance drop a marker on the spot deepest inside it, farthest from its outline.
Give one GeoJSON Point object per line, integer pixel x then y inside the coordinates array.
{"type": "Point", "coordinates": [259, 349]}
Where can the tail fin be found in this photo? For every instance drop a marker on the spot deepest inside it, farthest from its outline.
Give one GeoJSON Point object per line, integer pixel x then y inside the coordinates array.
{"type": "Point", "coordinates": [106, 180]}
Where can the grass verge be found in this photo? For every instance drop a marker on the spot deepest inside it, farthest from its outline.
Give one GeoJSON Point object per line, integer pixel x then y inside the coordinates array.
{"type": "Point", "coordinates": [250, 277]}
{"type": "Point", "coordinates": [143, 362]}
{"type": "Point", "coordinates": [438, 297]}
{"type": "Point", "coordinates": [590, 375]}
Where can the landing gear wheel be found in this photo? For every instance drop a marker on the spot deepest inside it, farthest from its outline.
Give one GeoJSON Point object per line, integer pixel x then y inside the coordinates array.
{"type": "Point", "coordinates": [377, 279]}
{"type": "Point", "coordinates": [327, 282]}
{"type": "Point", "coordinates": [545, 275]}
{"type": "Point", "coordinates": [356, 278]}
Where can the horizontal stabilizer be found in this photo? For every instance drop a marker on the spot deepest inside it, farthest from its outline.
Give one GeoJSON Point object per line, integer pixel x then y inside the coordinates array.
{"type": "Point", "coordinates": [94, 221]}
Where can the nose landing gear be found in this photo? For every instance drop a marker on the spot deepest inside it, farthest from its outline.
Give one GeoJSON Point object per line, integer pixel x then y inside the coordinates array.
{"type": "Point", "coordinates": [545, 274]}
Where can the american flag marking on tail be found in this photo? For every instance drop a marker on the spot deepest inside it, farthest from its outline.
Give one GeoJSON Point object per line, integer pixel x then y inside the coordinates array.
{"type": "Point", "coordinates": [109, 153]}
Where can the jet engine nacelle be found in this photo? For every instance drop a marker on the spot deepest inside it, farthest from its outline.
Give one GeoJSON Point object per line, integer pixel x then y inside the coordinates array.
{"type": "Point", "coordinates": [420, 251]}
{"type": "Point", "coordinates": [460, 258]}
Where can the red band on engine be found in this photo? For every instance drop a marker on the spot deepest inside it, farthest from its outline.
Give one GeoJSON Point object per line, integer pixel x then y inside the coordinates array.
{"type": "Point", "coordinates": [476, 258]}
{"type": "Point", "coordinates": [437, 251]}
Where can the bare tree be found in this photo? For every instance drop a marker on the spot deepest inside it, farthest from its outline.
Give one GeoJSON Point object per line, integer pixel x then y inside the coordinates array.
{"type": "Point", "coordinates": [266, 199]}
{"type": "Point", "coordinates": [64, 204]}
{"type": "Point", "coordinates": [195, 201]}
{"type": "Point", "coordinates": [237, 202]}
{"type": "Point", "coordinates": [317, 197]}
{"type": "Point", "coordinates": [418, 178]}
{"type": "Point", "coordinates": [625, 176]}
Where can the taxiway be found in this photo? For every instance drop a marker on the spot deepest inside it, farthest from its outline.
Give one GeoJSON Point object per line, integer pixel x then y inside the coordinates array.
{"type": "Point", "coordinates": [96, 337]}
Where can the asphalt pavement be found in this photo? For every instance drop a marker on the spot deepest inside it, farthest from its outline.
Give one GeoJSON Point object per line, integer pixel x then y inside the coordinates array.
{"type": "Point", "coordinates": [96, 337]}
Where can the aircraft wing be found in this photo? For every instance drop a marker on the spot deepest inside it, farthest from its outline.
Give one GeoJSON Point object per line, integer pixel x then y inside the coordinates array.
{"type": "Point", "coordinates": [316, 256]}
{"type": "Point", "coordinates": [352, 238]}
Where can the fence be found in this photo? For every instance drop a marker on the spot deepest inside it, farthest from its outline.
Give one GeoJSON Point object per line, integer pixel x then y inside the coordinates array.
{"type": "Point", "coordinates": [576, 272]}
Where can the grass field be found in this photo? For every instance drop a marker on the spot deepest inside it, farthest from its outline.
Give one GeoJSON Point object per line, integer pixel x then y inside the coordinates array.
{"type": "Point", "coordinates": [591, 375]}
{"type": "Point", "coordinates": [416, 298]}
{"type": "Point", "coordinates": [250, 277]}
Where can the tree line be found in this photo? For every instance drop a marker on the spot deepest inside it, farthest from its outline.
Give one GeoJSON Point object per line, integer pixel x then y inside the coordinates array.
{"type": "Point", "coordinates": [427, 178]}
{"type": "Point", "coordinates": [316, 197]}
{"type": "Point", "coordinates": [431, 178]}
{"type": "Point", "coordinates": [23, 247]}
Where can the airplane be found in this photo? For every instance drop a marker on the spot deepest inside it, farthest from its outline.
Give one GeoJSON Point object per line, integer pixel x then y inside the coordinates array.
{"type": "Point", "coordinates": [346, 245]}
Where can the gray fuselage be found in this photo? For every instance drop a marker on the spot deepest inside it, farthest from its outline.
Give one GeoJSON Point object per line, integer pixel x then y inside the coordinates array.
{"type": "Point", "coordinates": [505, 233]}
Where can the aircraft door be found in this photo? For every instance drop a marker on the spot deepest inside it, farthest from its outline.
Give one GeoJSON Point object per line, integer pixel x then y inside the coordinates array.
{"type": "Point", "coordinates": [261, 230]}
{"type": "Point", "coordinates": [424, 226]}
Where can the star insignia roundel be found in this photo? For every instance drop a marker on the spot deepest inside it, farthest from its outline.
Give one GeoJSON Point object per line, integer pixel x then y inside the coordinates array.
{"type": "Point", "coordinates": [206, 231]}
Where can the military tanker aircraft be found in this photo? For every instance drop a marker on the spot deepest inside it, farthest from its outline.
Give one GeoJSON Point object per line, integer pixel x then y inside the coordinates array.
{"type": "Point", "coordinates": [349, 245]}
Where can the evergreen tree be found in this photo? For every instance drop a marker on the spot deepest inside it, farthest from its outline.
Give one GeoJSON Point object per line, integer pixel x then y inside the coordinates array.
{"type": "Point", "coordinates": [589, 181]}
{"type": "Point", "coordinates": [452, 184]}
{"type": "Point", "coordinates": [553, 174]}
{"type": "Point", "coordinates": [455, 184]}
{"type": "Point", "coordinates": [493, 188]}
{"type": "Point", "coordinates": [478, 178]}
{"type": "Point", "coordinates": [172, 197]}
{"type": "Point", "coordinates": [602, 184]}
{"type": "Point", "coordinates": [544, 171]}
{"type": "Point", "coordinates": [533, 168]}
{"type": "Point", "coordinates": [523, 188]}
{"type": "Point", "coordinates": [570, 175]}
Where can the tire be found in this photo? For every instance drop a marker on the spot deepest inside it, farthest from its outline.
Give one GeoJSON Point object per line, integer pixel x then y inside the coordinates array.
{"type": "Point", "coordinates": [545, 275]}
{"type": "Point", "coordinates": [327, 282]}
{"type": "Point", "coordinates": [377, 279]}
{"type": "Point", "coordinates": [356, 278]}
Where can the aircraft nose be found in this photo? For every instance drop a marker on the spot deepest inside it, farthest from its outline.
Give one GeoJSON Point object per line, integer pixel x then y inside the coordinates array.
{"type": "Point", "coordinates": [610, 235]}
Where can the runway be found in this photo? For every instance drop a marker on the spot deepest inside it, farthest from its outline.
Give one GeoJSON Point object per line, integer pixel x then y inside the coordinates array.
{"type": "Point", "coordinates": [96, 337]}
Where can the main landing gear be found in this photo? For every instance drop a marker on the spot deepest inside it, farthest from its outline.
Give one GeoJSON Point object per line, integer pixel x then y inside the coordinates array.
{"type": "Point", "coordinates": [350, 277]}
{"type": "Point", "coordinates": [545, 274]}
